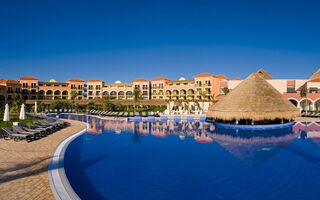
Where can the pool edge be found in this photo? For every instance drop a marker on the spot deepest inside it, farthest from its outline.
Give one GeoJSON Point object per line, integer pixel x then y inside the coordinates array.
{"type": "Point", "coordinates": [59, 184]}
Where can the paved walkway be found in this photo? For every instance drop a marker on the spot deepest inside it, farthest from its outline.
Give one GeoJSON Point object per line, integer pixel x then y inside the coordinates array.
{"type": "Point", "coordinates": [306, 119]}
{"type": "Point", "coordinates": [23, 166]}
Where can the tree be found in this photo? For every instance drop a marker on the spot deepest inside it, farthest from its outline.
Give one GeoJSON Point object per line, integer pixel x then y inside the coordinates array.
{"type": "Point", "coordinates": [119, 107]}
{"type": "Point", "coordinates": [203, 96]}
{"type": "Point", "coordinates": [41, 106]}
{"type": "Point", "coordinates": [225, 90]}
{"type": "Point", "coordinates": [107, 104]}
{"type": "Point", "coordinates": [136, 97]}
{"type": "Point", "coordinates": [303, 94]}
{"type": "Point", "coordinates": [16, 101]}
{"type": "Point", "coordinates": [74, 94]}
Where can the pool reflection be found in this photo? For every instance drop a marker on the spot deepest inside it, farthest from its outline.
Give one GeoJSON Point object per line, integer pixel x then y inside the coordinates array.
{"type": "Point", "coordinates": [185, 155]}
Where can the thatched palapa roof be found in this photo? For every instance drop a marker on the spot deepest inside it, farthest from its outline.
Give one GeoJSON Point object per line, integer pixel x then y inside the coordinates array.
{"type": "Point", "coordinates": [254, 98]}
{"type": "Point", "coordinates": [315, 75]}
{"type": "Point", "coordinates": [264, 74]}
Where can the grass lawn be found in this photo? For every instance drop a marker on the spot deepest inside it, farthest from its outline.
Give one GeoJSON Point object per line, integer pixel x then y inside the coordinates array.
{"type": "Point", "coordinates": [14, 118]}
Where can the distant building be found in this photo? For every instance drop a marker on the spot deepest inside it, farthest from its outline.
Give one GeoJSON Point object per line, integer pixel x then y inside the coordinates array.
{"type": "Point", "coordinates": [203, 86]}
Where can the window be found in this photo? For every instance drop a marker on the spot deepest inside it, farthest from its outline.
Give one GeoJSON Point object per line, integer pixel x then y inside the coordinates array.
{"type": "Point", "coordinates": [177, 83]}
{"type": "Point", "coordinates": [73, 86]}
{"type": "Point", "coordinates": [56, 85]}
{"type": "Point", "coordinates": [144, 93]}
{"type": "Point", "coordinates": [17, 90]}
{"type": "Point", "coordinates": [25, 85]}
{"type": "Point", "coordinates": [90, 87]}
{"type": "Point", "coordinates": [97, 93]}
{"type": "Point", "coordinates": [33, 85]}
{"type": "Point", "coordinates": [80, 93]}
{"type": "Point", "coordinates": [10, 89]}
{"type": "Point", "coordinates": [185, 83]}
{"type": "Point", "coordinates": [48, 85]}
{"type": "Point", "coordinates": [90, 93]}
{"type": "Point", "coordinates": [137, 87]}
{"type": "Point", "coordinates": [145, 87]}
{"type": "Point", "coordinates": [291, 89]}
{"type": "Point", "coordinates": [161, 85]}
{"type": "Point", "coordinates": [80, 87]}
{"type": "Point", "coordinates": [98, 87]}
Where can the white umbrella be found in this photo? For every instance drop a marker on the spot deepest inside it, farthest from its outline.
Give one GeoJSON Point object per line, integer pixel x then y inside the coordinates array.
{"type": "Point", "coordinates": [22, 113]}
{"type": "Point", "coordinates": [6, 116]}
{"type": "Point", "coordinates": [36, 107]}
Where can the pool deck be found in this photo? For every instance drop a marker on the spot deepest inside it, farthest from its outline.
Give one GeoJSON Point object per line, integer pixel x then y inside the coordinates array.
{"type": "Point", "coordinates": [306, 119]}
{"type": "Point", "coordinates": [24, 166]}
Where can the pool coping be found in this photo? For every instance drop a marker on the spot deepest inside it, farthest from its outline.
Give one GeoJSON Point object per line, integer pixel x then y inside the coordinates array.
{"type": "Point", "coordinates": [59, 183]}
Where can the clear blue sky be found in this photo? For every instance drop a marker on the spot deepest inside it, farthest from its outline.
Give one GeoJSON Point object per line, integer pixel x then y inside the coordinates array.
{"type": "Point", "coordinates": [124, 40]}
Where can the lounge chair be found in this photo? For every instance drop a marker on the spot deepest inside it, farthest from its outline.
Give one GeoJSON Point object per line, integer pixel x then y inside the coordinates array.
{"type": "Point", "coordinates": [56, 124]}
{"type": "Point", "coordinates": [151, 113]}
{"type": "Point", "coordinates": [137, 114]}
{"type": "Point", "coordinates": [125, 114]}
{"type": "Point", "coordinates": [48, 129]}
{"type": "Point", "coordinates": [15, 136]}
{"type": "Point", "coordinates": [143, 114]}
{"type": "Point", "coordinates": [34, 134]}
{"type": "Point", "coordinates": [43, 132]}
{"type": "Point", "coordinates": [120, 114]}
{"type": "Point", "coordinates": [131, 114]}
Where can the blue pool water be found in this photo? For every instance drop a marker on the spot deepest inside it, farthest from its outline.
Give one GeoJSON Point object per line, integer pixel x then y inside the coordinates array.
{"type": "Point", "coordinates": [192, 160]}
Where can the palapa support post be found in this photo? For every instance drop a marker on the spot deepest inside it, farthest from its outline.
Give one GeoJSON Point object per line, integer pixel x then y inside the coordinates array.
{"type": "Point", "coordinates": [252, 122]}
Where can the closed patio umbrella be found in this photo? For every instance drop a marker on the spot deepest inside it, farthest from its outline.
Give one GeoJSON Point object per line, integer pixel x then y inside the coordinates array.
{"type": "Point", "coordinates": [35, 107]}
{"type": "Point", "coordinates": [22, 113]}
{"type": "Point", "coordinates": [6, 116]}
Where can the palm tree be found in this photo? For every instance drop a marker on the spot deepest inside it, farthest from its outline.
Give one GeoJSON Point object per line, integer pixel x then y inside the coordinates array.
{"type": "Point", "coordinates": [303, 94]}
{"type": "Point", "coordinates": [107, 104]}
{"type": "Point", "coordinates": [136, 97]}
{"type": "Point", "coordinates": [74, 94]}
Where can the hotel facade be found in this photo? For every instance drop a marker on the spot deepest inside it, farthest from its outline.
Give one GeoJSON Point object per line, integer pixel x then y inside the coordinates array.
{"type": "Point", "coordinates": [203, 87]}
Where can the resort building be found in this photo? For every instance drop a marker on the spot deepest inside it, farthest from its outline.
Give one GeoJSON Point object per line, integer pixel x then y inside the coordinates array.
{"type": "Point", "coordinates": [202, 87]}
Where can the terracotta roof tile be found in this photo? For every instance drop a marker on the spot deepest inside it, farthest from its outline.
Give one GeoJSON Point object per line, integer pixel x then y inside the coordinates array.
{"type": "Point", "coordinates": [204, 75]}
{"type": "Point", "coordinates": [160, 78]}
{"type": "Point", "coordinates": [95, 80]}
{"type": "Point", "coordinates": [28, 78]}
{"type": "Point", "coordinates": [141, 80]}
{"type": "Point", "coordinates": [76, 80]}
{"type": "Point", "coordinates": [222, 77]}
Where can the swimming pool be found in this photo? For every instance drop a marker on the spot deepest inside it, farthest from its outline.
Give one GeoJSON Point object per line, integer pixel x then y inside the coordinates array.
{"type": "Point", "coordinates": [192, 160]}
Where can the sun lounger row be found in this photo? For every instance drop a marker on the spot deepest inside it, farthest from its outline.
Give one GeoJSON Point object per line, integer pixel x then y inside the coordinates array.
{"type": "Point", "coordinates": [35, 130]}
{"type": "Point", "coordinates": [60, 110]}
{"type": "Point", "coordinates": [121, 114]}
{"type": "Point", "coordinates": [310, 114]}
